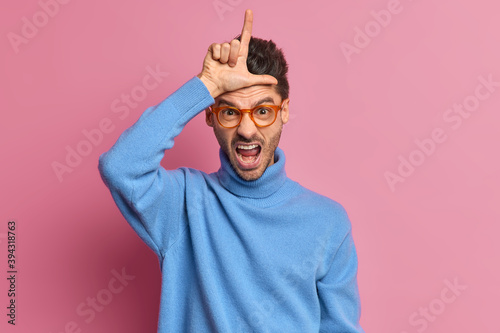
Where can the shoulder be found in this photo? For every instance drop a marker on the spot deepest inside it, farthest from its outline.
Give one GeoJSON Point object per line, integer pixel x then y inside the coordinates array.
{"type": "Point", "coordinates": [320, 207]}
{"type": "Point", "coordinates": [192, 177]}
{"type": "Point", "coordinates": [317, 200]}
{"type": "Point", "coordinates": [187, 173]}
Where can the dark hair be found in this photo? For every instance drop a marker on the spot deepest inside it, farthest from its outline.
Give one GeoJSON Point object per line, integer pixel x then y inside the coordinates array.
{"type": "Point", "coordinates": [265, 58]}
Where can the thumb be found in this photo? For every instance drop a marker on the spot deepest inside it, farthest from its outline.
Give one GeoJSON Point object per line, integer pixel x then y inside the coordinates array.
{"type": "Point", "coordinates": [262, 79]}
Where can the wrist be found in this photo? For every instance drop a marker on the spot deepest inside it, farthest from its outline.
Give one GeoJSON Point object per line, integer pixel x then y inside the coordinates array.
{"type": "Point", "coordinates": [211, 87]}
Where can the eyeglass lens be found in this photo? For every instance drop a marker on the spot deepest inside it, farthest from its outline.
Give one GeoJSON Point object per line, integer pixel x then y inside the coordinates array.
{"type": "Point", "coordinates": [262, 115]}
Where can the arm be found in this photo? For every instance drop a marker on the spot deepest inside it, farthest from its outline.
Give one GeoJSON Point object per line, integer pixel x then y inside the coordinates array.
{"type": "Point", "coordinates": [338, 291]}
{"type": "Point", "coordinates": [149, 197]}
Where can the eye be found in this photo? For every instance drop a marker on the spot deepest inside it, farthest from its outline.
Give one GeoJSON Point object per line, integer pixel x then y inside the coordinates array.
{"type": "Point", "coordinates": [262, 111]}
{"type": "Point", "coordinates": [229, 112]}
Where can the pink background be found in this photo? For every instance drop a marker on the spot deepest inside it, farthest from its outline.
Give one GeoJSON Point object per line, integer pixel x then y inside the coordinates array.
{"type": "Point", "coordinates": [353, 118]}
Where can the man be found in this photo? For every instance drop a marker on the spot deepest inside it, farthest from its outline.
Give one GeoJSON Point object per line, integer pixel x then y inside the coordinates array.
{"type": "Point", "coordinates": [244, 249]}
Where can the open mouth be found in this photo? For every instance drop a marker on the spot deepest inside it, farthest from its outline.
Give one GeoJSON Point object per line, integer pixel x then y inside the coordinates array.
{"type": "Point", "coordinates": [248, 155]}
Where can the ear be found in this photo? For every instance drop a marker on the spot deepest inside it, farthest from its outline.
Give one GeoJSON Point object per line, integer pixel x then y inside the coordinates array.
{"type": "Point", "coordinates": [285, 111]}
{"type": "Point", "coordinates": [208, 117]}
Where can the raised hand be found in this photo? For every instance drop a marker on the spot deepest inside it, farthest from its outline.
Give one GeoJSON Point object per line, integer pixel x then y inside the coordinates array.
{"type": "Point", "coordinates": [225, 65]}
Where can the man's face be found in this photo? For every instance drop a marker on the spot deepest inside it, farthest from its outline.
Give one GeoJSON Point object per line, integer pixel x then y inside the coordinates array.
{"type": "Point", "coordinates": [234, 140]}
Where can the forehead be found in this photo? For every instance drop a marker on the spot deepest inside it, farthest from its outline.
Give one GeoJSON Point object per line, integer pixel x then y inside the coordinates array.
{"type": "Point", "coordinates": [249, 96]}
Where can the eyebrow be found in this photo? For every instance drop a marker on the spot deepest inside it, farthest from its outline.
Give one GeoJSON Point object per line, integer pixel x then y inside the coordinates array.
{"type": "Point", "coordinates": [262, 101]}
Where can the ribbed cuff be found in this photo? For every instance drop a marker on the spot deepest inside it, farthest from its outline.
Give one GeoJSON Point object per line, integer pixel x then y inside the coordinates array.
{"type": "Point", "coordinates": [191, 95]}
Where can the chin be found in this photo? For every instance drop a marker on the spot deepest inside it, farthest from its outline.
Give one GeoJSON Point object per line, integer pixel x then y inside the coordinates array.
{"type": "Point", "coordinates": [251, 174]}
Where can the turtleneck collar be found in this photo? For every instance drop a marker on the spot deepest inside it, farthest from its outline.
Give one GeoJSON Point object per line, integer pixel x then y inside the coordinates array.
{"type": "Point", "coordinates": [271, 180]}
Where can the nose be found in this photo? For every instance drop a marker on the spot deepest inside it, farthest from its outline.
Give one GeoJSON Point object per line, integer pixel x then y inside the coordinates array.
{"type": "Point", "coordinates": [247, 127]}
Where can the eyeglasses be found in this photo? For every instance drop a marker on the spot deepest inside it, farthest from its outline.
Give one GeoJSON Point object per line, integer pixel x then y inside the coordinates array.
{"type": "Point", "coordinates": [261, 115]}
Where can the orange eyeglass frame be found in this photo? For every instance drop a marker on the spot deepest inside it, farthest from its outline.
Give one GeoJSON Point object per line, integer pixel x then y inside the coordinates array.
{"type": "Point", "coordinates": [276, 109]}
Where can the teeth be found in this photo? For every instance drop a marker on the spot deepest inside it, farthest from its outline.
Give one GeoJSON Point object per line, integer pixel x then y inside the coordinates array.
{"type": "Point", "coordinates": [247, 147]}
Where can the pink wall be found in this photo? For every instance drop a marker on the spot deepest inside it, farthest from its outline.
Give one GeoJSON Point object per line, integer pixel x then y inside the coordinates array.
{"type": "Point", "coordinates": [376, 92]}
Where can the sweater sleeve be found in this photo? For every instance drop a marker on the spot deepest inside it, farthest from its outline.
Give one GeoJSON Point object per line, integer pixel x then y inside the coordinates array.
{"type": "Point", "coordinates": [151, 198]}
{"type": "Point", "coordinates": [338, 292]}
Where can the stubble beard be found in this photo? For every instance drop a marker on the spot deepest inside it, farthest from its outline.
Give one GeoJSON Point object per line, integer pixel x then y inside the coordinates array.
{"type": "Point", "coordinates": [267, 152]}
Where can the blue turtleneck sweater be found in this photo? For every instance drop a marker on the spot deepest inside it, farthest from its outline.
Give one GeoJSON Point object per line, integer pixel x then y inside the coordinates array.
{"type": "Point", "coordinates": [236, 256]}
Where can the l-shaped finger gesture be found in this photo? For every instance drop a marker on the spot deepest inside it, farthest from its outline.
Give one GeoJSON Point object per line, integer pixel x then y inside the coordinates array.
{"type": "Point", "coordinates": [225, 65]}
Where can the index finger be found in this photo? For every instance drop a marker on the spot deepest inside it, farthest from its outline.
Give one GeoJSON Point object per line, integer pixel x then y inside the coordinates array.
{"type": "Point", "coordinates": [246, 32]}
